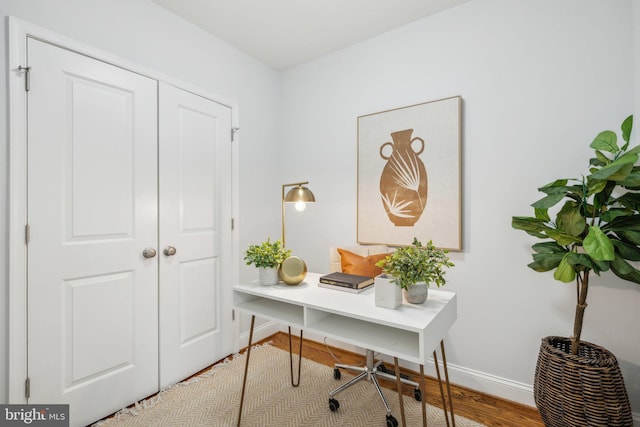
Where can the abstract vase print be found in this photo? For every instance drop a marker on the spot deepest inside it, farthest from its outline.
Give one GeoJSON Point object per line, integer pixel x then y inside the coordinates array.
{"type": "Point", "coordinates": [403, 182]}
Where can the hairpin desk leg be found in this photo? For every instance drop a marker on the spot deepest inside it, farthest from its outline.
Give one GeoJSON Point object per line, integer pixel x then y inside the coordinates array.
{"type": "Point", "coordinates": [444, 402]}
{"type": "Point", "coordinates": [448, 384]}
{"type": "Point", "coordinates": [399, 387]}
{"type": "Point", "coordinates": [294, 384]}
{"type": "Point", "coordinates": [423, 401]}
{"type": "Point", "coordinates": [446, 376]}
{"type": "Point", "coordinates": [246, 368]}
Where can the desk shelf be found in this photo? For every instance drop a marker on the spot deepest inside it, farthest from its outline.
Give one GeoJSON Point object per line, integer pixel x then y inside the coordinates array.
{"type": "Point", "coordinates": [372, 336]}
{"type": "Point", "coordinates": [283, 312]}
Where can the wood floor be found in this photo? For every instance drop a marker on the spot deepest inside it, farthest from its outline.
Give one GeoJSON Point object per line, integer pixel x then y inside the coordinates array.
{"type": "Point", "coordinates": [488, 410]}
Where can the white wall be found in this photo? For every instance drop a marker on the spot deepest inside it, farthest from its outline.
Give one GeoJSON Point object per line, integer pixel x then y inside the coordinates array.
{"type": "Point", "coordinates": [143, 33]}
{"type": "Point", "coordinates": [539, 79]}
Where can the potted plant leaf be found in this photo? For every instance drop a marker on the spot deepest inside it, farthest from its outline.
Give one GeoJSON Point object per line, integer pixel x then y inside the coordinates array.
{"type": "Point", "coordinates": [596, 229]}
{"type": "Point", "coordinates": [267, 257]}
{"type": "Point", "coordinates": [414, 267]}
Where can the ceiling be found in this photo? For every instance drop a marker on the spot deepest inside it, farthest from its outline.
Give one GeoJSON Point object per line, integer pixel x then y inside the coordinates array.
{"type": "Point", "coordinates": [285, 33]}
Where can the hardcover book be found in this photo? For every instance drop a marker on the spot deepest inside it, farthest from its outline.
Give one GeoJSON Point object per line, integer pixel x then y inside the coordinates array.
{"type": "Point", "coordinates": [345, 288]}
{"type": "Point", "coordinates": [353, 281]}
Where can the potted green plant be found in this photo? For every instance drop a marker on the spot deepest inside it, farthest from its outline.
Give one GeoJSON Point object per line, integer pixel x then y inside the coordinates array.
{"type": "Point", "coordinates": [267, 257]}
{"type": "Point", "coordinates": [596, 229]}
{"type": "Point", "coordinates": [414, 267]}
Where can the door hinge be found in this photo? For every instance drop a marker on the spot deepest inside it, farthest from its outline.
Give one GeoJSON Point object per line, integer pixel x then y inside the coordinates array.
{"type": "Point", "coordinates": [27, 388]}
{"type": "Point", "coordinates": [27, 233]}
{"type": "Point", "coordinates": [234, 132]}
{"type": "Point", "coordinates": [233, 314]}
{"type": "Point", "coordinates": [27, 80]}
{"type": "Point", "coordinates": [233, 224]}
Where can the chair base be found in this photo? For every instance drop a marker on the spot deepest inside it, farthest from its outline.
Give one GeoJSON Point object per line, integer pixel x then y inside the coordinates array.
{"type": "Point", "coordinates": [371, 371]}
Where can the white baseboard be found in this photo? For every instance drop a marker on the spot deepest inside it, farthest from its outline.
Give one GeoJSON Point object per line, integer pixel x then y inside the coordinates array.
{"type": "Point", "coordinates": [491, 384]}
{"type": "Point", "coordinates": [260, 332]}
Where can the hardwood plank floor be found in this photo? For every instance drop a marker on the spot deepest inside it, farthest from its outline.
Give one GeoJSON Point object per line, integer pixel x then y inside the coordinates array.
{"type": "Point", "coordinates": [489, 410]}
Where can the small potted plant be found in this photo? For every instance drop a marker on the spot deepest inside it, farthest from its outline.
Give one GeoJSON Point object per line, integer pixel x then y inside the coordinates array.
{"type": "Point", "coordinates": [267, 257]}
{"type": "Point", "coordinates": [413, 268]}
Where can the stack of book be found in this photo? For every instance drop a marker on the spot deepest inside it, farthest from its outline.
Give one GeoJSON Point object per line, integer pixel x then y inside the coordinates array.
{"type": "Point", "coordinates": [345, 282]}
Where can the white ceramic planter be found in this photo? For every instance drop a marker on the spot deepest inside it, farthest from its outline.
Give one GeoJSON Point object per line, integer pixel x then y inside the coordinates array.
{"type": "Point", "coordinates": [387, 293]}
{"type": "Point", "coordinates": [268, 276]}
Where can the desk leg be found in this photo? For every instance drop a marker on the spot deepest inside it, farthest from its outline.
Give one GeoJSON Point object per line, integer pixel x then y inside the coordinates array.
{"type": "Point", "coordinates": [399, 387]}
{"type": "Point", "coordinates": [291, 359]}
{"type": "Point", "coordinates": [444, 402]}
{"type": "Point", "coordinates": [446, 376]}
{"type": "Point", "coordinates": [423, 402]}
{"type": "Point", "coordinates": [246, 368]}
{"type": "Point", "coordinates": [447, 383]}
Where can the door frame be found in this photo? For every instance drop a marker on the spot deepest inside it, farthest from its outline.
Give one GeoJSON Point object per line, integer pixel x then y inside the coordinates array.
{"type": "Point", "coordinates": [19, 31]}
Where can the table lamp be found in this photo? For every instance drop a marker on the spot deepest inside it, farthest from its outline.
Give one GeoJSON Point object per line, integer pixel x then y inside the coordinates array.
{"type": "Point", "coordinates": [293, 269]}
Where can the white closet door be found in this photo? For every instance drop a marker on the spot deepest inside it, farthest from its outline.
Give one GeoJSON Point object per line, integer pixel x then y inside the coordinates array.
{"type": "Point", "coordinates": [92, 210]}
{"type": "Point", "coordinates": [195, 219]}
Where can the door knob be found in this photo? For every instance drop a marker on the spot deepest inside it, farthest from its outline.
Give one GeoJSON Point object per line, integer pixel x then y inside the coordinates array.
{"type": "Point", "coordinates": [149, 253]}
{"type": "Point", "coordinates": [169, 250]}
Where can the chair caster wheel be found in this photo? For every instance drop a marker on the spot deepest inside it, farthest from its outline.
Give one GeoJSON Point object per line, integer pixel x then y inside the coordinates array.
{"type": "Point", "coordinates": [334, 405]}
{"type": "Point", "coordinates": [336, 374]}
{"type": "Point", "coordinates": [391, 421]}
{"type": "Point", "coordinates": [417, 394]}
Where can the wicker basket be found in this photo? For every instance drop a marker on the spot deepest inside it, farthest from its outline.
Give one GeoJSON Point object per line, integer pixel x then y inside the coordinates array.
{"type": "Point", "coordinates": [582, 390]}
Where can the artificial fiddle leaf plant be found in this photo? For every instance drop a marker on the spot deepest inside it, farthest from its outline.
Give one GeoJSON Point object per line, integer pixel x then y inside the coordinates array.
{"type": "Point", "coordinates": [598, 226]}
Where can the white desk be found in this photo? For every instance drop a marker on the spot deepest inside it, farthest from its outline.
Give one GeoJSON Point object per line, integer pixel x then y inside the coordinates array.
{"type": "Point", "coordinates": [410, 332]}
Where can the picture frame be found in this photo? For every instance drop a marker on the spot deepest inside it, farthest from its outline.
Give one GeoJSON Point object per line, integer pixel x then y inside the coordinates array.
{"type": "Point", "coordinates": [409, 175]}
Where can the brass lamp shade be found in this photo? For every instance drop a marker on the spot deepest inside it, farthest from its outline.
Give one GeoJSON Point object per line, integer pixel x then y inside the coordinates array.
{"type": "Point", "coordinates": [299, 194]}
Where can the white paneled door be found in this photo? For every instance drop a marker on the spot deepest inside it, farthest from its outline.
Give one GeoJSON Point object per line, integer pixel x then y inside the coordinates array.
{"type": "Point", "coordinates": [129, 189]}
{"type": "Point", "coordinates": [195, 206]}
{"type": "Point", "coordinates": [92, 210]}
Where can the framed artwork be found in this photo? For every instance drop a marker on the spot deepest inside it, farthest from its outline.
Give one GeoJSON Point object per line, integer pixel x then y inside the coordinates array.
{"type": "Point", "coordinates": [409, 175]}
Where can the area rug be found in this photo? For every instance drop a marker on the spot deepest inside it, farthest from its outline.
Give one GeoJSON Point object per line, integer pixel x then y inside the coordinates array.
{"type": "Point", "coordinates": [212, 399]}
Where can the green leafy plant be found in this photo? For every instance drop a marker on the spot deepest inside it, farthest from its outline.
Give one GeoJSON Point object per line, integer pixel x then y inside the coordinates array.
{"type": "Point", "coordinates": [598, 226]}
{"type": "Point", "coordinates": [266, 254]}
{"type": "Point", "coordinates": [416, 263]}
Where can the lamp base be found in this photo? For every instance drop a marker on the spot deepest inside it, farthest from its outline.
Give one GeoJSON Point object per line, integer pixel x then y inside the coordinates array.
{"type": "Point", "coordinates": [293, 270]}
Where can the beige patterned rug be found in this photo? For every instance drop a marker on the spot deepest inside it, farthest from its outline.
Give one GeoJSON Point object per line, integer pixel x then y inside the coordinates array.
{"type": "Point", "coordinates": [212, 399]}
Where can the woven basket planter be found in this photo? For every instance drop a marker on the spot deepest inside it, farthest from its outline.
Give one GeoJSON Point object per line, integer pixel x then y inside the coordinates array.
{"type": "Point", "coordinates": [582, 390]}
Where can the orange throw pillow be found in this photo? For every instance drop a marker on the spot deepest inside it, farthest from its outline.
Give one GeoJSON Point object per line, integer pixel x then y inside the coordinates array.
{"type": "Point", "coordinates": [356, 264]}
